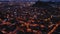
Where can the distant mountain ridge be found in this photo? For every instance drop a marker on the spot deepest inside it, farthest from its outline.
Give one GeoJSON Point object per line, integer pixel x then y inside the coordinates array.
{"type": "Point", "coordinates": [45, 4]}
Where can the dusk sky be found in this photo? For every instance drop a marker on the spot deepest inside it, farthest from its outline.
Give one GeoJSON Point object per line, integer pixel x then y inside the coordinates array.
{"type": "Point", "coordinates": [30, 0]}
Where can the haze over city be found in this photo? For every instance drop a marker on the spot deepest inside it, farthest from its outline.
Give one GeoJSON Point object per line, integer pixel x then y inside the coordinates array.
{"type": "Point", "coordinates": [33, 0]}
